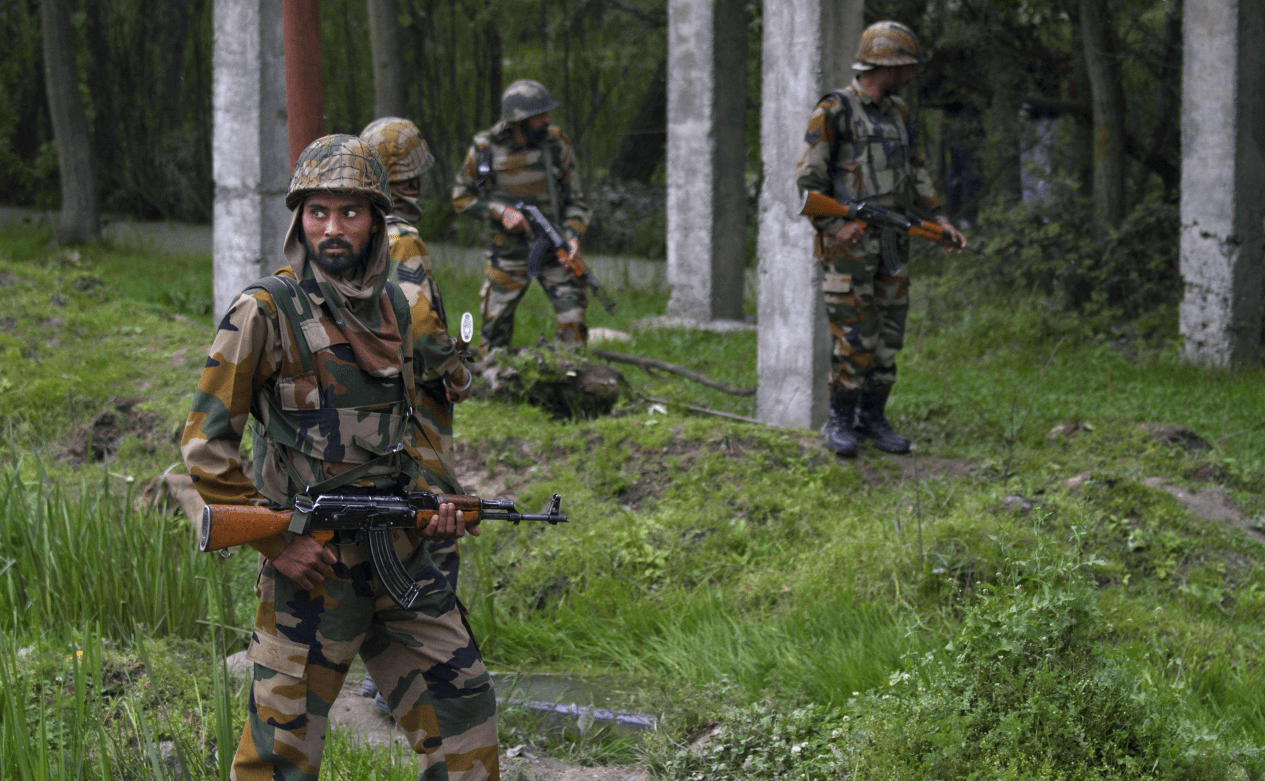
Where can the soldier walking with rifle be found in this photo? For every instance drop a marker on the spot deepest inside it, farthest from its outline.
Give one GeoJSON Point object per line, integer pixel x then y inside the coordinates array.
{"type": "Point", "coordinates": [524, 158]}
{"type": "Point", "coordinates": [861, 150]}
{"type": "Point", "coordinates": [321, 355]}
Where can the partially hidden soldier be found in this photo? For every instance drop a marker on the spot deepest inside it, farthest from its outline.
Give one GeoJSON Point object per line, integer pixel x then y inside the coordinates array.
{"type": "Point", "coordinates": [524, 158]}
{"type": "Point", "coordinates": [861, 144]}
{"type": "Point", "coordinates": [321, 355]}
{"type": "Point", "coordinates": [442, 378]}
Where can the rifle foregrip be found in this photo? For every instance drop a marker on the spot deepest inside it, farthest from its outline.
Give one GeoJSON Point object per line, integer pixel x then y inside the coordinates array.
{"type": "Point", "coordinates": [470, 507]}
{"type": "Point", "coordinates": [226, 525]}
{"type": "Point", "coordinates": [928, 230]}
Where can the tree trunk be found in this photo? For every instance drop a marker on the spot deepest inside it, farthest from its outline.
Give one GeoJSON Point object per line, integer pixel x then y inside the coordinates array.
{"type": "Point", "coordinates": [645, 142]}
{"type": "Point", "coordinates": [1165, 143]}
{"type": "Point", "coordinates": [79, 220]}
{"type": "Point", "coordinates": [1107, 88]}
{"type": "Point", "coordinates": [496, 67]}
{"type": "Point", "coordinates": [388, 65]}
{"type": "Point", "coordinates": [1004, 136]}
{"type": "Point", "coordinates": [1080, 138]}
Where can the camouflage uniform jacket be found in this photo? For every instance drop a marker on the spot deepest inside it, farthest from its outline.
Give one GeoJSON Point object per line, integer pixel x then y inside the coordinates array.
{"type": "Point", "coordinates": [434, 351]}
{"type": "Point", "coordinates": [319, 412]}
{"type": "Point", "coordinates": [518, 174]}
{"type": "Point", "coordinates": [860, 148]}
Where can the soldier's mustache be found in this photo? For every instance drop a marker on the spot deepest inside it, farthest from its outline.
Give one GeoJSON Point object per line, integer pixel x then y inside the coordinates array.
{"type": "Point", "coordinates": [329, 244]}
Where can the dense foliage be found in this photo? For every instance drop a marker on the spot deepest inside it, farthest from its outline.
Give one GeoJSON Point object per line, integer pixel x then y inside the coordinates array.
{"type": "Point", "coordinates": [1056, 248]}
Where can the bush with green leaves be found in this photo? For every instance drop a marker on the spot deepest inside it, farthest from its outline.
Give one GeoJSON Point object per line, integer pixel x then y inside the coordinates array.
{"type": "Point", "coordinates": [1033, 687]}
{"type": "Point", "coordinates": [1058, 248]}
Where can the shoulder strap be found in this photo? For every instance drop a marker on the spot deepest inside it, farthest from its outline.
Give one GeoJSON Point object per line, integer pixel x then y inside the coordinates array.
{"type": "Point", "coordinates": [844, 103]}
{"type": "Point", "coordinates": [555, 200]}
{"type": "Point", "coordinates": [286, 294]}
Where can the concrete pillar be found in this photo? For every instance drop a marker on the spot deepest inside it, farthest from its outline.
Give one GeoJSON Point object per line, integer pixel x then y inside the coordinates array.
{"type": "Point", "coordinates": [707, 202]}
{"type": "Point", "coordinates": [249, 158]}
{"type": "Point", "coordinates": [808, 49]}
{"type": "Point", "coordinates": [1223, 166]}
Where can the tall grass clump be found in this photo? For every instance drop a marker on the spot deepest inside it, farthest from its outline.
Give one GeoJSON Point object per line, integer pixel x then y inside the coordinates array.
{"type": "Point", "coordinates": [94, 558]}
{"type": "Point", "coordinates": [48, 728]}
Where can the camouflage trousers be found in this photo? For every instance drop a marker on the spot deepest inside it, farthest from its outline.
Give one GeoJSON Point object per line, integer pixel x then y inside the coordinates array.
{"type": "Point", "coordinates": [424, 662]}
{"type": "Point", "coordinates": [866, 308]}
{"type": "Point", "coordinates": [507, 284]}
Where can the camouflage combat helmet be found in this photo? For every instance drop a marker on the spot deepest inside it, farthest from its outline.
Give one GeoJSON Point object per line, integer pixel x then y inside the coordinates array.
{"type": "Point", "coordinates": [525, 98]}
{"type": "Point", "coordinates": [340, 163]}
{"type": "Point", "coordinates": [887, 43]}
{"type": "Point", "coordinates": [400, 145]}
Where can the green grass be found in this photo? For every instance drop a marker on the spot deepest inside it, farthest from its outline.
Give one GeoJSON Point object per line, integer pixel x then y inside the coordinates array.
{"type": "Point", "coordinates": [731, 571]}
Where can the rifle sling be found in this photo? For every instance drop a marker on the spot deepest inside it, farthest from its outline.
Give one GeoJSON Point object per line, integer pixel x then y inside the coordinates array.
{"type": "Point", "coordinates": [555, 201]}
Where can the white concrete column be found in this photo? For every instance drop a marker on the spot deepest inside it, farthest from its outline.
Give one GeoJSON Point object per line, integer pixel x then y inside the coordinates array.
{"type": "Point", "coordinates": [1223, 168]}
{"type": "Point", "coordinates": [808, 50]}
{"type": "Point", "coordinates": [707, 203]}
{"type": "Point", "coordinates": [249, 154]}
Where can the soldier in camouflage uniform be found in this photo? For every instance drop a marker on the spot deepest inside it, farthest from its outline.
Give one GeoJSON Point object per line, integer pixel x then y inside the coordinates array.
{"type": "Point", "coordinates": [320, 354]}
{"type": "Point", "coordinates": [861, 145]}
{"type": "Point", "coordinates": [442, 378]}
{"type": "Point", "coordinates": [524, 158]}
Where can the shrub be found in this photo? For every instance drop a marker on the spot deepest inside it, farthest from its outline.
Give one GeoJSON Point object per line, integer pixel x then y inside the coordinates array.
{"type": "Point", "coordinates": [1029, 688]}
{"type": "Point", "coordinates": [1058, 248]}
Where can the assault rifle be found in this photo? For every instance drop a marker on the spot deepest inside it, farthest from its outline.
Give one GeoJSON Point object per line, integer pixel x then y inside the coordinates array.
{"type": "Point", "coordinates": [818, 205]}
{"type": "Point", "coordinates": [225, 525]}
{"type": "Point", "coordinates": [549, 240]}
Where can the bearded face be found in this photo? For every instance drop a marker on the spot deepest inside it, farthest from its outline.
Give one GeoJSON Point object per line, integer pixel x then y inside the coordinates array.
{"type": "Point", "coordinates": [536, 128]}
{"type": "Point", "coordinates": [337, 231]}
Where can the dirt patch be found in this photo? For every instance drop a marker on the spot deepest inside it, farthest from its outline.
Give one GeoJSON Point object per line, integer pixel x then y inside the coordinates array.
{"type": "Point", "coordinates": [877, 468]}
{"type": "Point", "coordinates": [526, 768]}
{"type": "Point", "coordinates": [1212, 504]}
{"type": "Point", "coordinates": [100, 439]}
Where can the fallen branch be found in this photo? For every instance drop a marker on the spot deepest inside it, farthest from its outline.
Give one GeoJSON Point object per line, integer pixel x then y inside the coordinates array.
{"type": "Point", "coordinates": [651, 363]}
{"type": "Point", "coordinates": [704, 410]}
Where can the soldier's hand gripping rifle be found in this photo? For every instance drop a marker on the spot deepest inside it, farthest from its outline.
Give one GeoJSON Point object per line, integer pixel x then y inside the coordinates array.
{"type": "Point", "coordinates": [549, 240]}
{"type": "Point", "coordinates": [818, 205]}
{"type": "Point", "coordinates": [225, 525]}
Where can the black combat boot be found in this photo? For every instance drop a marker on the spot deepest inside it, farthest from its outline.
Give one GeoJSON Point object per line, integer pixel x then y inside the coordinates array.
{"type": "Point", "coordinates": [871, 422]}
{"type": "Point", "coordinates": [841, 437]}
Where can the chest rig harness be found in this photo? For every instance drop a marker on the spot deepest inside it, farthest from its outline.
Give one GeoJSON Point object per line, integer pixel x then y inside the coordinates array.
{"type": "Point", "coordinates": [879, 147]}
{"type": "Point", "coordinates": [485, 179]}
{"type": "Point", "coordinates": [312, 436]}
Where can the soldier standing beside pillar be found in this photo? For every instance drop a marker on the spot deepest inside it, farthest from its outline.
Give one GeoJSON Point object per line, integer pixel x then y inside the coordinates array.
{"type": "Point", "coordinates": [861, 145]}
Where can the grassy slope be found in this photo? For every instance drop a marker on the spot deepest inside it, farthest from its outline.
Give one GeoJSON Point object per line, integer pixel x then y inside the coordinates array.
{"type": "Point", "coordinates": [722, 562]}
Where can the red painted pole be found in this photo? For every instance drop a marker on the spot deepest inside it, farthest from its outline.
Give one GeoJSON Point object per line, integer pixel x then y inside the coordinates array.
{"type": "Point", "coordinates": [305, 93]}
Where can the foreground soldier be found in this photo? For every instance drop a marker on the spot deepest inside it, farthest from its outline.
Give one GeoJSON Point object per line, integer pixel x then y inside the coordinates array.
{"type": "Point", "coordinates": [441, 377]}
{"type": "Point", "coordinates": [861, 145]}
{"type": "Point", "coordinates": [321, 355]}
{"type": "Point", "coordinates": [524, 158]}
